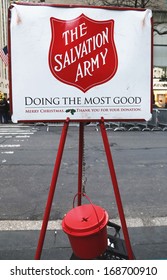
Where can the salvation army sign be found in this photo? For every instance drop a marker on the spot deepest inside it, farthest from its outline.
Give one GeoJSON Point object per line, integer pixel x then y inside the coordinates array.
{"type": "Point", "coordinates": [79, 62]}
{"type": "Point", "coordinates": [81, 50]}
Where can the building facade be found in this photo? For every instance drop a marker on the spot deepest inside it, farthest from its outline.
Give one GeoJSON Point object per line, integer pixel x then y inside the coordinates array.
{"type": "Point", "coordinates": [4, 84]}
{"type": "Point", "coordinates": [160, 58]}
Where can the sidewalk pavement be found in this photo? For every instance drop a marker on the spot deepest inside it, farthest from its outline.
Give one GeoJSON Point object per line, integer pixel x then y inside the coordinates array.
{"type": "Point", "coordinates": [148, 243]}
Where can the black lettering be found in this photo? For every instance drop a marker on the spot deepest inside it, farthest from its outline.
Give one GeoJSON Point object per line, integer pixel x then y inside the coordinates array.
{"type": "Point", "coordinates": [28, 101]}
{"type": "Point", "coordinates": [12, 272]}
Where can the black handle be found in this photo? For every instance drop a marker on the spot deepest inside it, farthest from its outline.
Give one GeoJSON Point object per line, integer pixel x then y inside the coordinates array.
{"type": "Point", "coordinates": [117, 227]}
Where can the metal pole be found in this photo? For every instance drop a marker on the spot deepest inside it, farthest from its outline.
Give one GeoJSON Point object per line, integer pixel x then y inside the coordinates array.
{"type": "Point", "coordinates": [80, 162]}
{"type": "Point", "coordinates": [52, 189]}
{"type": "Point", "coordinates": [116, 189]}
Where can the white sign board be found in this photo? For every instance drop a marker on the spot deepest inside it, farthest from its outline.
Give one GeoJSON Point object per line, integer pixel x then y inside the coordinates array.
{"type": "Point", "coordinates": [80, 62]}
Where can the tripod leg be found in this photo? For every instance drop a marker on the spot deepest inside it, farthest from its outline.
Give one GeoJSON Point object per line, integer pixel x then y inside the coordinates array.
{"type": "Point", "coordinates": [116, 189]}
{"type": "Point", "coordinates": [52, 190]}
{"type": "Point", "coordinates": [80, 162]}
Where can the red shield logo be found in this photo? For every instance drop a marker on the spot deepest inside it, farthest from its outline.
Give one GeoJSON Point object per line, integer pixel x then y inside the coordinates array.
{"type": "Point", "coordinates": [82, 51]}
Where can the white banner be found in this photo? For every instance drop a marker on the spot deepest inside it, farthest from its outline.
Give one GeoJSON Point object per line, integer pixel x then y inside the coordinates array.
{"type": "Point", "coordinates": [82, 63]}
{"type": "Point", "coordinates": [71, 269]}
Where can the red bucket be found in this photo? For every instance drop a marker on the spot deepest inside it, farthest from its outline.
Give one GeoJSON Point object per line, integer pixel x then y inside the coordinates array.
{"type": "Point", "coordinates": [86, 226]}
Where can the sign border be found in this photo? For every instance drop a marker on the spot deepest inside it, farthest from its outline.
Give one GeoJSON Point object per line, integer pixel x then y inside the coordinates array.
{"type": "Point", "coordinates": [75, 6]}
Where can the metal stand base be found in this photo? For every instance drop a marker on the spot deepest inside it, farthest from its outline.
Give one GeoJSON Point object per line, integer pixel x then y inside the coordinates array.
{"type": "Point", "coordinates": [80, 184]}
{"type": "Point", "coordinates": [116, 249]}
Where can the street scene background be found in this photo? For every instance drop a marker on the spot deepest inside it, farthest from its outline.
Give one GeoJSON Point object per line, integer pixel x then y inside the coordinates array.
{"type": "Point", "coordinates": [28, 153]}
